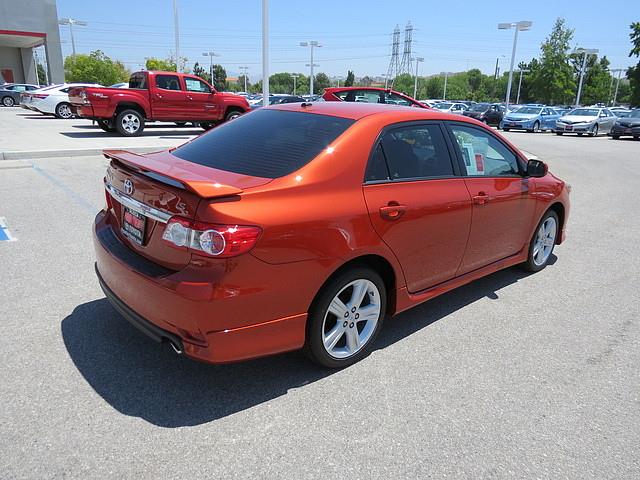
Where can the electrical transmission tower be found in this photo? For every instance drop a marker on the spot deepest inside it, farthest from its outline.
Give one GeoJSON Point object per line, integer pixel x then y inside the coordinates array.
{"type": "Point", "coordinates": [405, 64]}
{"type": "Point", "coordinates": [394, 63]}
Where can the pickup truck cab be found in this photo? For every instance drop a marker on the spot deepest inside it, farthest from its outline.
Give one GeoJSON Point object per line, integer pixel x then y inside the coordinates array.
{"type": "Point", "coordinates": [156, 96]}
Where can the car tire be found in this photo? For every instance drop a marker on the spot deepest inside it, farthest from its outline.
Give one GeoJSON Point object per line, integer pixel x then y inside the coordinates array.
{"type": "Point", "coordinates": [580, 134]}
{"type": "Point", "coordinates": [536, 127]}
{"type": "Point", "coordinates": [232, 115]}
{"type": "Point", "coordinates": [337, 335]}
{"type": "Point", "coordinates": [107, 125]}
{"type": "Point", "coordinates": [542, 243]}
{"type": "Point", "coordinates": [180, 124]}
{"type": "Point", "coordinates": [8, 101]}
{"type": "Point", "coordinates": [615, 137]}
{"type": "Point", "coordinates": [505, 129]}
{"type": "Point", "coordinates": [594, 132]}
{"type": "Point", "coordinates": [559, 134]}
{"type": "Point", "coordinates": [63, 110]}
{"type": "Point", "coordinates": [129, 123]}
{"type": "Point", "coordinates": [207, 125]}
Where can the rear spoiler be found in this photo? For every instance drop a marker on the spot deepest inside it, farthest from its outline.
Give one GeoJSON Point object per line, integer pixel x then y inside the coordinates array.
{"type": "Point", "coordinates": [155, 165]}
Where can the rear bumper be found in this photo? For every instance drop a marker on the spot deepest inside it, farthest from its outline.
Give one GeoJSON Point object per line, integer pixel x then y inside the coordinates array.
{"type": "Point", "coordinates": [215, 321]}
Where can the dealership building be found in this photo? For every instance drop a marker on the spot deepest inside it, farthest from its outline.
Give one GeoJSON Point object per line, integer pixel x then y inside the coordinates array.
{"type": "Point", "coordinates": [25, 25]}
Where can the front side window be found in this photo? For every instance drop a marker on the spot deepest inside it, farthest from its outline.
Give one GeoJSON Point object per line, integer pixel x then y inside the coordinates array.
{"type": "Point", "coordinates": [416, 152]}
{"type": "Point", "coordinates": [168, 82]}
{"type": "Point", "coordinates": [483, 154]}
{"type": "Point", "coordinates": [196, 85]}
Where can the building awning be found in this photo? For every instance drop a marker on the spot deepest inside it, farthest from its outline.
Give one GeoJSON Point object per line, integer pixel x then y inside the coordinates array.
{"type": "Point", "coordinates": [18, 39]}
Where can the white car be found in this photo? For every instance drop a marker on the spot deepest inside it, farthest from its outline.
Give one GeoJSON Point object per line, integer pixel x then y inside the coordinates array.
{"type": "Point", "coordinates": [54, 100]}
{"type": "Point", "coordinates": [451, 107]}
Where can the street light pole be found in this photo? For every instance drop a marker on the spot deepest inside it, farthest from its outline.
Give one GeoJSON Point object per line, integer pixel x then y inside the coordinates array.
{"type": "Point", "coordinates": [615, 95]}
{"type": "Point", "coordinates": [524, 70]}
{"type": "Point", "coordinates": [265, 53]}
{"type": "Point", "coordinates": [519, 26]}
{"type": "Point", "coordinates": [71, 22]}
{"type": "Point", "coordinates": [415, 83]}
{"type": "Point", "coordinates": [210, 55]}
{"type": "Point", "coordinates": [245, 72]}
{"type": "Point", "coordinates": [311, 44]}
{"type": "Point", "coordinates": [295, 77]}
{"type": "Point", "coordinates": [386, 80]}
{"type": "Point", "coordinates": [586, 52]}
{"type": "Point", "coordinates": [444, 94]}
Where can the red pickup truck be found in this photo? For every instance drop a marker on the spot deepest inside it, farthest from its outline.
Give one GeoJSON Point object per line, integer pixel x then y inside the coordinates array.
{"type": "Point", "coordinates": [156, 96]}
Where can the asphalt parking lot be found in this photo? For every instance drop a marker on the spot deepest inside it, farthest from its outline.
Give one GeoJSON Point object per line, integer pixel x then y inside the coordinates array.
{"type": "Point", "coordinates": [512, 376]}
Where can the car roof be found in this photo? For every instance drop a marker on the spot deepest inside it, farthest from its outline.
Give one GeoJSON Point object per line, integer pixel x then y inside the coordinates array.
{"type": "Point", "coordinates": [358, 110]}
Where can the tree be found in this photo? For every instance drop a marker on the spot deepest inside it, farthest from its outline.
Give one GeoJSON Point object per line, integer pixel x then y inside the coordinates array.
{"type": "Point", "coordinates": [554, 81]}
{"type": "Point", "coordinates": [320, 82]}
{"type": "Point", "coordinates": [474, 78]}
{"type": "Point", "coordinates": [166, 65]}
{"type": "Point", "coordinates": [350, 79]}
{"type": "Point", "coordinates": [596, 81]}
{"type": "Point", "coordinates": [42, 75]}
{"type": "Point", "coordinates": [219, 77]}
{"type": "Point", "coordinates": [403, 83]}
{"type": "Point", "coordinates": [94, 68]}
{"type": "Point", "coordinates": [633, 73]}
{"type": "Point", "coordinates": [199, 71]}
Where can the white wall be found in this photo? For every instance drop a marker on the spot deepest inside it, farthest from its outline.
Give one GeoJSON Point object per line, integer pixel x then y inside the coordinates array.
{"type": "Point", "coordinates": [10, 58]}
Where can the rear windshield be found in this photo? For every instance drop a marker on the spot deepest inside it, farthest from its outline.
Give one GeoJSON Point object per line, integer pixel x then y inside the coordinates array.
{"type": "Point", "coordinates": [265, 143]}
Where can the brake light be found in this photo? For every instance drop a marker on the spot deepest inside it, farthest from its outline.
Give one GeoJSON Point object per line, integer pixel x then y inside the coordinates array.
{"type": "Point", "coordinates": [209, 239]}
{"type": "Point", "coordinates": [39, 95]}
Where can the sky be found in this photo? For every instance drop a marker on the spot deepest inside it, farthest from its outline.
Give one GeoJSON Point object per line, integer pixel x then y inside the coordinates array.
{"type": "Point", "coordinates": [355, 34]}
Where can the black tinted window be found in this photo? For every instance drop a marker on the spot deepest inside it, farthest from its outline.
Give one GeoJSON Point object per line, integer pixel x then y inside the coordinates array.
{"type": "Point", "coordinates": [417, 151]}
{"type": "Point", "coordinates": [138, 81]}
{"type": "Point", "coordinates": [168, 82]}
{"type": "Point", "coordinates": [377, 167]}
{"type": "Point", "coordinates": [265, 143]}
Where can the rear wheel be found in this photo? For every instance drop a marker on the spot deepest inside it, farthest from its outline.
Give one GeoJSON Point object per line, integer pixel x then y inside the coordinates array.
{"type": "Point", "coordinates": [346, 317]}
{"type": "Point", "coordinates": [129, 123]}
{"type": "Point", "coordinates": [63, 110]}
{"type": "Point", "coordinates": [106, 125]}
{"type": "Point", "coordinates": [8, 101]}
{"type": "Point", "coordinates": [542, 243]}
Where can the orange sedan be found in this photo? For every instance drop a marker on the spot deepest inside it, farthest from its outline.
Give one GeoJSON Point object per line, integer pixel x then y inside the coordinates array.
{"type": "Point", "coordinates": [305, 225]}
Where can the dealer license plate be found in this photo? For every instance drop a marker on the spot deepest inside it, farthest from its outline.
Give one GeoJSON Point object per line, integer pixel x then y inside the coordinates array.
{"type": "Point", "coordinates": [133, 225]}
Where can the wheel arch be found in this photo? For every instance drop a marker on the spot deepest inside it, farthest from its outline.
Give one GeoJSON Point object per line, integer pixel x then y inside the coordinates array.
{"type": "Point", "coordinates": [558, 207]}
{"type": "Point", "coordinates": [233, 108]}
{"type": "Point", "coordinates": [376, 262]}
{"type": "Point", "coordinates": [130, 106]}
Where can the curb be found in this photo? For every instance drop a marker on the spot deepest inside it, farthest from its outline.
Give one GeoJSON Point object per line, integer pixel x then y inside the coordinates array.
{"type": "Point", "coordinates": [79, 152]}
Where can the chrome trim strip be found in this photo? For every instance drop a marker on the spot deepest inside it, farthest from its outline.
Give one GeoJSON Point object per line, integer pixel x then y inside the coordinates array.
{"type": "Point", "coordinates": [141, 208]}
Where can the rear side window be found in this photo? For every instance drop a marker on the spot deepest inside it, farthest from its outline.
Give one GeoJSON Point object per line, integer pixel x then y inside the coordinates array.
{"type": "Point", "coordinates": [138, 81]}
{"type": "Point", "coordinates": [416, 152]}
{"type": "Point", "coordinates": [265, 143]}
{"type": "Point", "coordinates": [168, 82]}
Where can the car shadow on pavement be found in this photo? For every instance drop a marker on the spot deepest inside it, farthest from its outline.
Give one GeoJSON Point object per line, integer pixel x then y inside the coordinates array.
{"type": "Point", "coordinates": [167, 133]}
{"type": "Point", "coordinates": [141, 378]}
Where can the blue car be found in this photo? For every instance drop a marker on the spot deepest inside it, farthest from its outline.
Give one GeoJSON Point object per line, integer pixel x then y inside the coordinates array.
{"type": "Point", "coordinates": [531, 119]}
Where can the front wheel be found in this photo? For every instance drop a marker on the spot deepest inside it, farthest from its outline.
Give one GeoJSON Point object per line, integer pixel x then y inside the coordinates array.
{"type": "Point", "coordinates": [594, 132]}
{"type": "Point", "coordinates": [346, 317]}
{"type": "Point", "coordinates": [542, 243]}
{"type": "Point", "coordinates": [63, 110]}
{"type": "Point", "coordinates": [129, 123]}
{"type": "Point", "coordinates": [8, 101]}
{"type": "Point", "coordinates": [232, 115]}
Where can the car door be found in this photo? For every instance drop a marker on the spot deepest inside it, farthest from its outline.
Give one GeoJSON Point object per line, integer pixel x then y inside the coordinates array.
{"type": "Point", "coordinates": [610, 120]}
{"type": "Point", "coordinates": [169, 100]}
{"type": "Point", "coordinates": [548, 119]}
{"type": "Point", "coordinates": [503, 204]}
{"type": "Point", "coordinates": [493, 115]}
{"type": "Point", "coordinates": [417, 202]}
{"type": "Point", "coordinates": [200, 100]}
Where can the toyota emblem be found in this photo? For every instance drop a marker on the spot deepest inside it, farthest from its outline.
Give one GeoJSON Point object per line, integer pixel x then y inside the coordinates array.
{"type": "Point", "coordinates": [128, 186]}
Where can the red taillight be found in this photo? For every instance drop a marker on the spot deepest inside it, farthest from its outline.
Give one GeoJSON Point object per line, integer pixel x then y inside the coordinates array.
{"type": "Point", "coordinates": [212, 240]}
{"type": "Point", "coordinates": [39, 95]}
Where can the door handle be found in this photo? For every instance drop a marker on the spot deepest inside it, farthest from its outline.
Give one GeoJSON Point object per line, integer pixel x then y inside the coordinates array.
{"type": "Point", "coordinates": [481, 198]}
{"type": "Point", "coordinates": [158, 95]}
{"type": "Point", "coordinates": [393, 211]}
{"type": "Point", "coordinates": [189, 97]}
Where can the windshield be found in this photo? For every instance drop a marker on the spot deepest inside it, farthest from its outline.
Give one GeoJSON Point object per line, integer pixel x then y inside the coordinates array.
{"type": "Point", "coordinates": [444, 106]}
{"type": "Point", "coordinates": [530, 110]}
{"type": "Point", "coordinates": [265, 143]}
{"type": "Point", "coordinates": [634, 114]}
{"type": "Point", "coordinates": [481, 107]}
{"type": "Point", "coordinates": [585, 112]}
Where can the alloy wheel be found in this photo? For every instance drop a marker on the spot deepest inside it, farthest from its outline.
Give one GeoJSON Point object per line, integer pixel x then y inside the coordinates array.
{"type": "Point", "coordinates": [545, 239]}
{"type": "Point", "coordinates": [65, 111]}
{"type": "Point", "coordinates": [8, 102]}
{"type": "Point", "coordinates": [130, 123]}
{"type": "Point", "coordinates": [351, 319]}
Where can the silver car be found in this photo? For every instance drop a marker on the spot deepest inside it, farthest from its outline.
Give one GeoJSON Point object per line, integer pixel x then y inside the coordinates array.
{"type": "Point", "coordinates": [591, 120]}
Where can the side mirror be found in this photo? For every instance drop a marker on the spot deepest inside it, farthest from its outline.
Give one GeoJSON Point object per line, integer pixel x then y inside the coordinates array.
{"type": "Point", "coordinates": [603, 115]}
{"type": "Point", "coordinates": [536, 168]}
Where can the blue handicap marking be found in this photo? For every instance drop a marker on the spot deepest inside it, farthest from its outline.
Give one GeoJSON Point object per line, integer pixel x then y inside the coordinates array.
{"type": "Point", "coordinates": [4, 231]}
